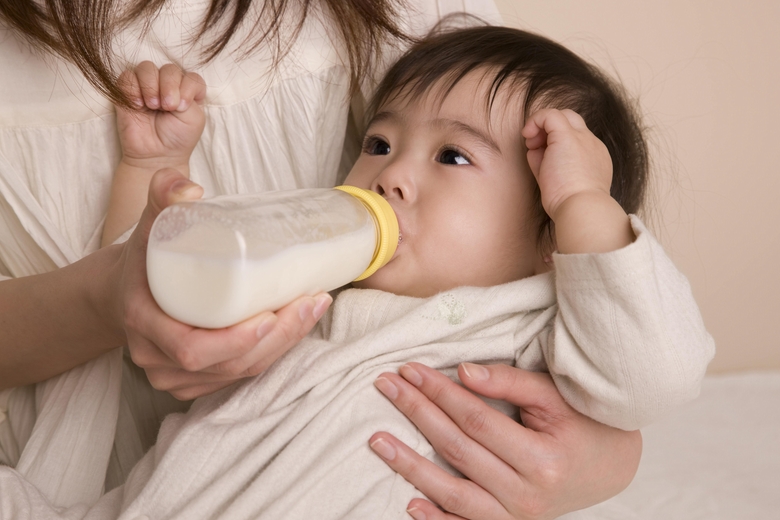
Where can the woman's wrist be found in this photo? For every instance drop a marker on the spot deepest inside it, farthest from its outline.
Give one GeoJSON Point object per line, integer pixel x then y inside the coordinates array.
{"type": "Point", "coordinates": [102, 292]}
{"type": "Point", "coordinates": [94, 286]}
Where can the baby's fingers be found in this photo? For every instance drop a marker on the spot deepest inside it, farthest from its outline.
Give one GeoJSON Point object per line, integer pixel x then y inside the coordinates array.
{"type": "Point", "coordinates": [128, 82]}
{"type": "Point", "coordinates": [178, 89]}
{"type": "Point", "coordinates": [575, 120]}
{"type": "Point", "coordinates": [535, 137]}
{"type": "Point", "coordinates": [148, 77]}
{"type": "Point", "coordinates": [170, 78]}
{"type": "Point", "coordinates": [544, 123]}
{"type": "Point", "coordinates": [192, 89]}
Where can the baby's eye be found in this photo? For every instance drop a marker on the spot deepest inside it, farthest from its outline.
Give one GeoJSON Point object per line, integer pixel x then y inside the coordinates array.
{"type": "Point", "coordinates": [450, 156]}
{"type": "Point", "coordinates": [376, 146]}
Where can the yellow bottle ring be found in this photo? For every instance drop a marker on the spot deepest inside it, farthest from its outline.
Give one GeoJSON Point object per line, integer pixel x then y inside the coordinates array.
{"type": "Point", "coordinates": [386, 223]}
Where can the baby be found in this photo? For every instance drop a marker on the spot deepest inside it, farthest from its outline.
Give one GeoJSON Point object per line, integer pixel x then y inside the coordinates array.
{"type": "Point", "coordinates": [513, 167]}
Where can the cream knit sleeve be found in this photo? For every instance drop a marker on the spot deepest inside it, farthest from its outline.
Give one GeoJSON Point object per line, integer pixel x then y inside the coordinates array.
{"type": "Point", "coordinates": [628, 342]}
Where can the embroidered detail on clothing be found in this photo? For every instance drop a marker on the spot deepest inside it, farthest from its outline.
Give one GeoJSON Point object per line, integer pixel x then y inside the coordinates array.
{"type": "Point", "coordinates": [449, 309]}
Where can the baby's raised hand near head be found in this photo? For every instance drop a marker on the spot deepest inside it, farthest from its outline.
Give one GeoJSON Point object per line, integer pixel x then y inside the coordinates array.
{"type": "Point", "coordinates": [169, 121]}
{"type": "Point", "coordinates": [565, 157]}
{"type": "Point", "coordinates": [574, 172]}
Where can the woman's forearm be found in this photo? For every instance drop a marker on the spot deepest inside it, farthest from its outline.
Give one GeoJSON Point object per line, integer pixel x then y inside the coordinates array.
{"type": "Point", "coordinates": [52, 322]}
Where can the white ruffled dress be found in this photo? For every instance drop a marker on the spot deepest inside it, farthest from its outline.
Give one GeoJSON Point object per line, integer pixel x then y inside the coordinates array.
{"type": "Point", "coordinates": [71, 438]}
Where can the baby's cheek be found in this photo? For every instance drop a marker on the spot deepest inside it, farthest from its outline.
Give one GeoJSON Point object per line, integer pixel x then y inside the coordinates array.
{"type": "Point", "coordinates": [360, 176]}
{"type": "Point", "coordinates": [473, 260]}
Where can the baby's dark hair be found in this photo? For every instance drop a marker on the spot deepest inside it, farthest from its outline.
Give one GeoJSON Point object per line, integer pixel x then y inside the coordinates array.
{"type": "Point", "coordinates": [549, 76]}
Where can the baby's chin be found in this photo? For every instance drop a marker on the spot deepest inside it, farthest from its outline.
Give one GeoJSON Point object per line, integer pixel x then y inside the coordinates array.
{"type": "Point", "coordinates": [387, 282]}
{"type": "Point", "coordinates": [378, 282]}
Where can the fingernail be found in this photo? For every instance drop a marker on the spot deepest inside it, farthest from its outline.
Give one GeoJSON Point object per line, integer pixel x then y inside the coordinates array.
{"type": "Point", "coordinates": [383, 448]}
{"type": "Point", "coordinates": [265, 327]}
{"type": "Point", "coordinates": [182, 186]}
{"type": "Point", "coordinates": [167, 102]}
{"type": "Point", "coordinates": [386, 387]}
{"type": "Point", "coordinates": [416, 513]}
{"type": "Point", "coordinates": [306, 309]}
{"type": "Point", "coordinates": [322, 302]}
{"type": "Point", "coordinates": [182, 106]}
{"type": "Point", "coordinates": [411, 375]}
{"type": "Point", "coordinates": [153, 103]}
{"type": "Point", "coordinates": [138, 102]}
{"type": "Point", "coordinates": [476, 372]}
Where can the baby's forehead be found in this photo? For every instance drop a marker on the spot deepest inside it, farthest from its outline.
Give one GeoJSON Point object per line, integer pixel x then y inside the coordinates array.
{"type": "Point", "coordinates": [473, 97]}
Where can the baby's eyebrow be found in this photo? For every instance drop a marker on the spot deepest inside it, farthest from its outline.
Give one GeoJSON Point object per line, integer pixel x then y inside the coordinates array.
{"type": "Point", "coordinates": [476, 133]}
{"type": "Point", "coordinates": [384, 116]}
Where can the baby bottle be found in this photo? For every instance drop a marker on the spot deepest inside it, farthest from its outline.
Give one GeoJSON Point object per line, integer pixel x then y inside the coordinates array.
{"type": "Point", "coordinates": [215, 262]}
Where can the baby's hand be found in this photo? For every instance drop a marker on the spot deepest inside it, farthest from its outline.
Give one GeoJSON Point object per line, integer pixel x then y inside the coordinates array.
{"type": "Point", "coordinates": [565, 157]}
{"type": "Point", "coordinates": [167, 127]}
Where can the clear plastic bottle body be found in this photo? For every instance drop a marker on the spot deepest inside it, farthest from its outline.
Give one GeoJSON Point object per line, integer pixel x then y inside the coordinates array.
{"type": "Point", "coordinates": [215, 262]}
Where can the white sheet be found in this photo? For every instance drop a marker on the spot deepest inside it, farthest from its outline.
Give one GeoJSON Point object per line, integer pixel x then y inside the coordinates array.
{"type": "Point", "coordinates": [716, 458]}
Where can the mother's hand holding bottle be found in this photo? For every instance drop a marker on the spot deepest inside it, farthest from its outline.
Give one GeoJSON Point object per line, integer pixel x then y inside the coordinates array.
{"type": "Point", "coordinates": [186, 361]}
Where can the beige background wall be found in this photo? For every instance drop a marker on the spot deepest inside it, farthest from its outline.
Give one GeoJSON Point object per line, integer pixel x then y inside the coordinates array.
{"type": "Point", "coordinates": [707, 73]}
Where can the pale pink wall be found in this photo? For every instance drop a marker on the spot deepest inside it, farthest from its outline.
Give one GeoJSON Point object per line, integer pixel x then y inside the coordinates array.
{"type": "Point", "coordinates": [708, 75]}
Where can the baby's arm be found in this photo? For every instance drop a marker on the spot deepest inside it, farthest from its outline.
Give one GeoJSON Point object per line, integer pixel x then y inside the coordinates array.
{"type": "Point", "coordinates": [574, 172]}
{"type": "Point", "coordinates": [628, 342]}
{"type": "Point", "coordinates": [161, 134]}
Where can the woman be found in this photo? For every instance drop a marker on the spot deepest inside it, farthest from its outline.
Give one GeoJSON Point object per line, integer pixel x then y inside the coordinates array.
{"type": "Point", "coordinates": [280, 87]}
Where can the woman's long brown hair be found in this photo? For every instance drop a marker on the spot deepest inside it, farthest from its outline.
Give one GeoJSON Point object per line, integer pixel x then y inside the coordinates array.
{"type": "Point", "coordinates": [82, 31]}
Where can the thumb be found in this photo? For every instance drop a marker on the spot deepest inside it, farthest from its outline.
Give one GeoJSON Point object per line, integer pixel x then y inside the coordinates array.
{"type": "Point", "coordinates": [168, 186]}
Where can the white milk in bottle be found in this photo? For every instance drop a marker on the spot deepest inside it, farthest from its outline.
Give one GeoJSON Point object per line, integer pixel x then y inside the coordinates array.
{"type": "Point", "coordinates": [215, 262]}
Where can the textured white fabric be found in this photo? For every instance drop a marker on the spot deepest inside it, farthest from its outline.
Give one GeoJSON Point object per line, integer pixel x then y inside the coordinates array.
{"type": "Point", "coordinates": [58, 150]}
{"type": "Point", "coordinates": [292, 442]}
{"type": "Point", "coordinates": [624, 359]}
{"type": "Point", "coordinates": [716, 458]}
